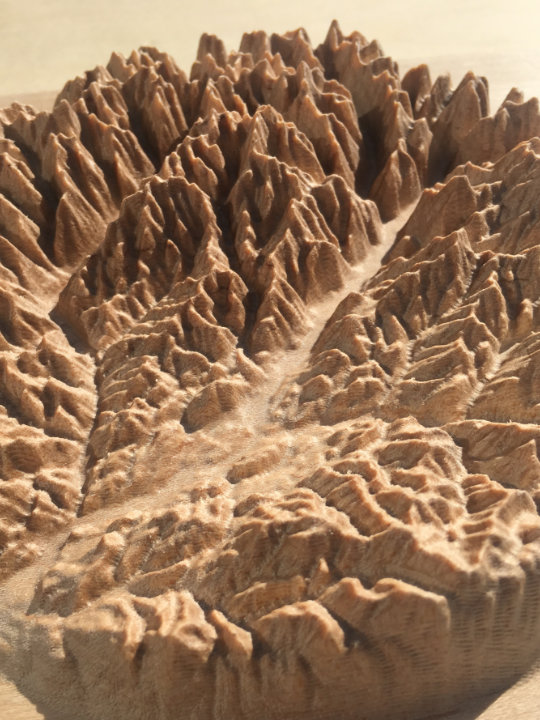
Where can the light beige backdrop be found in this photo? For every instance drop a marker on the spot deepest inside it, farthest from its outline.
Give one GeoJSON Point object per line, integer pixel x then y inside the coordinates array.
{"type": "Point", "coordinates": [43, 43]}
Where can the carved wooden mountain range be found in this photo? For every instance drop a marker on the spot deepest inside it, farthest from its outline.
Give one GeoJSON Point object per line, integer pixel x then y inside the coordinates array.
{"type": "Point", "coordinates": [248, 470]}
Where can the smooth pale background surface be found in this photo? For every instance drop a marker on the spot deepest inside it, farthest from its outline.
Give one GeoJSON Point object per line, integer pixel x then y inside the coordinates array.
{"type": "Point", "coordinates": [43, 43]}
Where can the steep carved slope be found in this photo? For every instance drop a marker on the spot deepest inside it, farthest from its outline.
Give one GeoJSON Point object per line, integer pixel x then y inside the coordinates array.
{"type": "Point", "coordinates": [269, 388]}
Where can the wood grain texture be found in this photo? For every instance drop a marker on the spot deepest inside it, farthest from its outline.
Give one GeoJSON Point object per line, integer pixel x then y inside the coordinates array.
{"type": "Point", "coordinates": [269, 387]}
